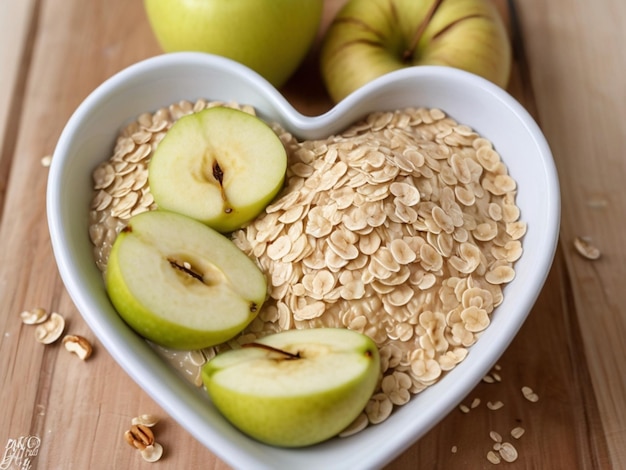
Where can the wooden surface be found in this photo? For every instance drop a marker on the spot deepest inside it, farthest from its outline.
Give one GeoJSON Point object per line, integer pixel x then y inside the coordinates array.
{"type": "Point", "coordinates": [569, 69]}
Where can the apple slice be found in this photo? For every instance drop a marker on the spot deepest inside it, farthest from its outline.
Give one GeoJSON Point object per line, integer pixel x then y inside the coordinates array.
{"type": "Point", "coordinates": [297, 387]}
{"type": "Point", "coordinates": [221, 166]}
{"type": "Point", "coordinates": [181, 284]}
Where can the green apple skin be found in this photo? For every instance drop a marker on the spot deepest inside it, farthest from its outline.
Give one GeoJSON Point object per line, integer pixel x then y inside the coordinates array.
{"type": "Point", "coordinates": [163, 302]}
{"type": "Point", "coordinates": [295, 402]}
{"type": "Point", "coordinates": [271, 37]}
{"type": "Point", "coordinates": [369, 38]}
{"type": "Point", "coordinates": [252, 163]}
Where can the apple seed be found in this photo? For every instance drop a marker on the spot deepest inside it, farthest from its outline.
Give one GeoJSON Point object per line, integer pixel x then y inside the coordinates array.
{"type": "Point", "coordinates": [267, 347]}
{"type": "Point", "coordinates": [186, 268]}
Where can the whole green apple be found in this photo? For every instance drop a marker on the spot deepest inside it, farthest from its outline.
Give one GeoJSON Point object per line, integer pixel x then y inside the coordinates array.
{"type": "Point", "coordinates": [181, 284]}
{"type": "Point", "coordinates": [270, 36]}
{"type": "Point", "coordinates": [297, 387]}
{"type": "Point", "coordinates": [369, 38]}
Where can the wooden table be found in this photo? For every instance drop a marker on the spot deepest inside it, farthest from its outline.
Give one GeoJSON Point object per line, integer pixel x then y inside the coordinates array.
{"type": "Point", "coordinates": [569, 69]}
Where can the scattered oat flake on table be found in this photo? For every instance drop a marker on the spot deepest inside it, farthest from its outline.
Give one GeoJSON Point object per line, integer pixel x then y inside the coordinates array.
{"type": "Point", "coordinates": [508, 452]}
{"type": "Point", "coordinates": [493, 457]}
{"type": "Point", "coordinates": [597, 202]}
{"type": "Point", "coordinates": [495, 405]}
{"type": "Point", "coordinates": [586, 249]}
{"type": "Point", "coordinates": [529, 394]}
{"type": "Point", "coordinates": [517, 432]}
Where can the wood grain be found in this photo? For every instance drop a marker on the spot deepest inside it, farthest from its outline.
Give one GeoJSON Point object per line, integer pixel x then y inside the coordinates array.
{"type": "Point", "coordinates": [567, 72]}
{"type": "Point", "coordinates": [17, 26]}
{"type": "Point", "coordinates": [577, 68]}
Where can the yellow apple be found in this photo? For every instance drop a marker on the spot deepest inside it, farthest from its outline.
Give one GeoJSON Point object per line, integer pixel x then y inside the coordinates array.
{"type": "Point", "coordinates": [270, 36]}
{"type": "Point", "coordinates": [369, 38]}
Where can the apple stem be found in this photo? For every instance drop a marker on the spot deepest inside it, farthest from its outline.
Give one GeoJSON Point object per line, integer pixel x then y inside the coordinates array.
{"type": "Point", "coordinates": [272, 349]}
{"type": "Point", "coordinates": [408, 54]}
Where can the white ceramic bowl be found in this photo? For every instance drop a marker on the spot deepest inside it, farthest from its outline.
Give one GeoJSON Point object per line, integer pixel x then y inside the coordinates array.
{"type": "Point", "coordinates": [88, 138]}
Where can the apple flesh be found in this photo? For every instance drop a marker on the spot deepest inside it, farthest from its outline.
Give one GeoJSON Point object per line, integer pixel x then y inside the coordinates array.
{"type": "Point", "coordinates": [369, 38]}
{"type": "Point", "coordinates": [181, 284]}
{"type": "Point", "coordinates": [297, 387]}
{"type": "Point", "coordinates": [270, 36]}
{"type": "Point", "coordinates": [221, 166]}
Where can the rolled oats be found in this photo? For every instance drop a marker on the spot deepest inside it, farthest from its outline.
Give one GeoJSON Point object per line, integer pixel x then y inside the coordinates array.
{"type": "Point", "coordinates": [517, 432]}
{"type": "Point", "coordinates": [493, 457]}
{"type": "Point", "coordinates": [495, 405]}
{"type": "Point", "coordinates": [403, 227]}
{"type": "Point", "coordinates": [508, 452]}
{"type": "Point", "coordinates": [529, 394]}
{"type": "Point", "coordinates": [586, 249]}
{"type": "Point", "coordinates": [356, 426]}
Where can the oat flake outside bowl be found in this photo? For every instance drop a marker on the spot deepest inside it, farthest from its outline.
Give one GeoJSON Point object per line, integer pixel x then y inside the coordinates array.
{"type": "Point", "coordinates": [87, 140]}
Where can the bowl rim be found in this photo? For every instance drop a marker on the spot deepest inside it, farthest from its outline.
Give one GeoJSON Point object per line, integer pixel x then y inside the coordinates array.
{"type": "Point", "coordinates": [147, 369]}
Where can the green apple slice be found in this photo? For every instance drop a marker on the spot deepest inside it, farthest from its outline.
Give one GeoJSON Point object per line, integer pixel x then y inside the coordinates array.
{"type": "Point", "coordinates": [181, 284]}
{"type": "Point", "coordinates": [221, 166]}
{"type": "Point", "coordinates": [297, 387]}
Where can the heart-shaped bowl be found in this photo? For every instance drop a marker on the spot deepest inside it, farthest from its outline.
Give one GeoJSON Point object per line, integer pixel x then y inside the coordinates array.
{"type": "Point", "coordinates": [88, 139]}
